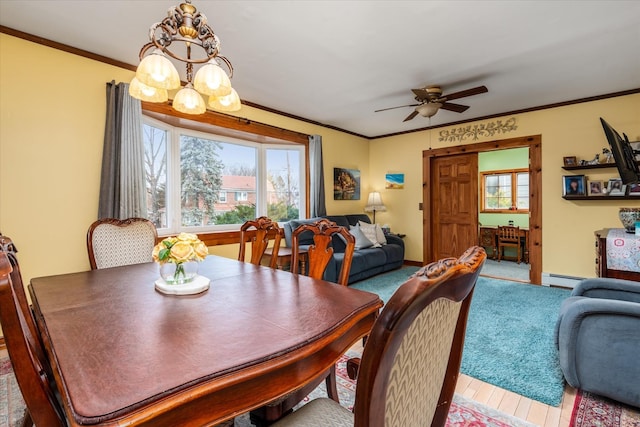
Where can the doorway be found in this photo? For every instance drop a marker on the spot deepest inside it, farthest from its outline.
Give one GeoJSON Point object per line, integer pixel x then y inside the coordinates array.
{"type": "Point", "coordinates": [443, 170]}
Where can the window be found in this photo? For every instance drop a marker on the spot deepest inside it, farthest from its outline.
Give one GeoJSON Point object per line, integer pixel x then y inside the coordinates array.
{"type": "Point", "coordinates": [505, 191]}
{"type": "Point", "coordinates": [201, 182]}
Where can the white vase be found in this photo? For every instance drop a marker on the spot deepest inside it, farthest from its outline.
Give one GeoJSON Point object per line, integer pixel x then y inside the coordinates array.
{"type": "Point", "coordinates": [177, 274]}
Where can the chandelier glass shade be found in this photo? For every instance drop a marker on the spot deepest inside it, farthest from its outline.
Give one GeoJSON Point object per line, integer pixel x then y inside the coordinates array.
{"type": "Point", "coordinates": [184, 28]}
{"type": "Point", "coordinates": [147, 93]}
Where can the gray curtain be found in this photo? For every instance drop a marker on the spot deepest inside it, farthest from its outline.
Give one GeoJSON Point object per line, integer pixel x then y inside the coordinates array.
{"type": "Point", "coordinates": [316, 172]}
{"type": "Point", "coordinates": [122, 182]}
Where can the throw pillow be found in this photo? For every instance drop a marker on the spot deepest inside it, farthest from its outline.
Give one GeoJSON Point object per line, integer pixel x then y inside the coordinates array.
{"type": "Point", "coordinates": [380, 237]}
{"type": "Point", "coordinates": [369, 230]}
{"type": "Point", "coordinates": [361, 240]}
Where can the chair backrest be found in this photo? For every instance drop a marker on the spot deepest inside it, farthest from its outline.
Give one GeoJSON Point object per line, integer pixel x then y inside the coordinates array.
{"type": "Point", "coordinates": [319, 254]}
{"type": "Point", "coordinates": [114, 242]}
{"type": "Point", "coordinates": [411, 361]}
{"type": "Point", "coordinates": [258, 232]}
{"type": "Point", "coordinates": [507, 233]}
{"type": "Point", "coordinates": [30, 365]}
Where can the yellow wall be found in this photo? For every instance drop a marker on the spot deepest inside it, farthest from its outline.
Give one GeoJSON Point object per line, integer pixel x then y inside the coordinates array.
{"type": "Point", "coordinates": [567, 226]}
{"type": "Point", "coordinates": [51, 136]}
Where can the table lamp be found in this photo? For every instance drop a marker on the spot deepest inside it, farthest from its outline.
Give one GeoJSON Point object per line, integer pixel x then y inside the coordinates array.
{"type": "Point", "coordinates": [374, 203]}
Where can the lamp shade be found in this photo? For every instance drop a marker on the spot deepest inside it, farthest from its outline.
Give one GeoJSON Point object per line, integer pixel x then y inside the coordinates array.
{"type": "Point", "coordinates": [374, 203]}
{"type": "Point", "coordinates": [189, 101]}
{"type": "Point", "coordinates": [230, 102]}
{"type": "Point", "coordinates": [157, 71]}
{"type": "Point", "coordinates": [429, 109]}
{"type": "Point", "coordinates": [147, 93]}
{"type": "Point", "coordinates": [212, 80]}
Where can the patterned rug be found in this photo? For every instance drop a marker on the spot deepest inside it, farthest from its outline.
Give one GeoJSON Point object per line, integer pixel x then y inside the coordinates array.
{"type": "Point", "coordinates": [463, 412]}
{"type": "Point", "coordinates": [591, 410]}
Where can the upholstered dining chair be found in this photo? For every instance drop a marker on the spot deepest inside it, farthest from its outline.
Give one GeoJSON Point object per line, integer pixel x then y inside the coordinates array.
{"type": "Point", "coordinates": [509, 237]}
{"type": "Point", "coordinates": [30, 365]}
{"type": "Point", "coordinates": [114, 242]}
{"type": "Point", "coordinates": [258, 232]}
{"type": "Point", "coordinates": [319, 254]}
{"type": "Point", "coordinates": [411, 362]}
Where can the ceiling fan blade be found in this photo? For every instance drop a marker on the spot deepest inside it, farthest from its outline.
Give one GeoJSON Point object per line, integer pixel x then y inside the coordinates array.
{"type": "Point", "coordinates": [421, 94]}
{"type": "Point", "coordinates": [401, 106]}
{"type": "Point", "coordinates": [411, 116]}
{"type": "Point", "coordinates": [464, 93]}
{"type": "Point", "coordinates": [454, 107]}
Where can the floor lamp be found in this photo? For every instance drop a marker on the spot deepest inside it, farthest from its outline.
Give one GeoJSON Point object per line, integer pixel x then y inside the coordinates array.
{"type": "Point", "coordinates": [374, 203]}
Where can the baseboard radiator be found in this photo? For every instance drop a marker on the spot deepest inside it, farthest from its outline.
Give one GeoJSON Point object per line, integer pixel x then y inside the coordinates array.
{"type": "Point", "coordinates": [550, 279]}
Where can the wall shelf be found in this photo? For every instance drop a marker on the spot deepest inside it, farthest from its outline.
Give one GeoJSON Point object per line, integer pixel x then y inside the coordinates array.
{"type": "Point", "coordinates": [598, 166]}
{"type": "Point", "coordinates": [626, 197]}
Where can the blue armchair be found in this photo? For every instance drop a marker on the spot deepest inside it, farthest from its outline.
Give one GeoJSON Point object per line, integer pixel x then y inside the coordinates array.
{"type": "Point", "coordinates": [598, 338]}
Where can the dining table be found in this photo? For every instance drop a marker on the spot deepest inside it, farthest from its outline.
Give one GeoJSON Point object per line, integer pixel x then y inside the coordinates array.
{"type": "Point", "coordinates": [123, 353]}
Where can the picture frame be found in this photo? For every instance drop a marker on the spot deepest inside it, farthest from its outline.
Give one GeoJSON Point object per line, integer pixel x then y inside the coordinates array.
{"type": "Point", "coordinates": [394, 181]}
{"type": "Point", "coordinates": [346, 184]}
{"type": "Point", "coordinates": [615, 187]}
{"type": "Point", "coordinates": [574, 185]}
{"type": "Point", "coordinates": [595, 188]}
{"type": "Point", "coordinates": [635, 146]}
{"type": "Point", "coordinates": [570, 161]}
{"type": "Point", "coordinates": [633, 190]}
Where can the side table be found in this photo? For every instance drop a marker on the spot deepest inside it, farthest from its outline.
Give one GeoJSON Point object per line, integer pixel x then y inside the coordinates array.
{"type": "Point", "coordinates": [284, 258]}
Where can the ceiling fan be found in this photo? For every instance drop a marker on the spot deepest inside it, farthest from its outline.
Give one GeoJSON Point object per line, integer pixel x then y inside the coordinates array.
{"type": "Point", "coordinates": [430, 100]}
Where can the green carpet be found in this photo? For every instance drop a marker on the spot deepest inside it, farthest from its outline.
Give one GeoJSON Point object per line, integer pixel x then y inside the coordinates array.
{"type": "Point", "coordinates": [510, 333]}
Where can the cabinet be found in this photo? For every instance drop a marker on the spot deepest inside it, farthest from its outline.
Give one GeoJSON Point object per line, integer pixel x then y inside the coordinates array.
{"type": "Point", "coordinates": [586, 197]}
{"type": "Point", "coordinates": [602, 268]}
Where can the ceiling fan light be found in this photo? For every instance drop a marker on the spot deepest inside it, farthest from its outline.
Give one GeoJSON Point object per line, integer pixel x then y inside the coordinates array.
{"type": "Point", "coordinates": [188, 101]}
{"type": "Point", "coordinates": [428, 109]}
{"type": "Point", "coordinates": [227, 103]}
{"type": "Point", "coordinates": [212, 80]}
{"type": "Point", "coordinates": [157, 71]}
{"type": "Point", "coordinates": [143, 92]}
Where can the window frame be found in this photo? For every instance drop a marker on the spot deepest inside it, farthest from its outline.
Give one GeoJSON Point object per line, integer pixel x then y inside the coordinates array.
{"type": "Point", "coordinates": [223, 125]}
{"type": "Point", "coordinates": [514, 189]}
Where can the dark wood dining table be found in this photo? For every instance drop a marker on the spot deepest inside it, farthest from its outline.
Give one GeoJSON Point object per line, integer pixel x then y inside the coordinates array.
{"type": "Point", "coordinates": [123, 353]}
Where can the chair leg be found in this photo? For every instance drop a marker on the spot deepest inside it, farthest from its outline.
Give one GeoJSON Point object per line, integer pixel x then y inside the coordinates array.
{"type": "Point", "coordinates": [332, 385]}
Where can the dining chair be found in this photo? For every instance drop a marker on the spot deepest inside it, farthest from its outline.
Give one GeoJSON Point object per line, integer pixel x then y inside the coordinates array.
{"type": "Point", "coordinates": [259, 232]}
{"type": "Point", "coordinates": [411, 362]}
{"type": "Point", "coordinates": [509, 237]}
{"type": "Point", "coordinates": [28, 359]}
{"type": "Point", "coordinates": [319, 254]}
{"type": "Point", "coordinates": [115, 242]}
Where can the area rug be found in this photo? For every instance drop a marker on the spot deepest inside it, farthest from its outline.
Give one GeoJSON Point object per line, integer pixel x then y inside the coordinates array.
{"type": "Point", "coordinates": [510, 333]}
{"type": "Point", "coordinates": [463, 412]}
{"type": "Point", "coordinates": [510, 338]}
{"type": "Point", "coordinates": [12, 405]}
{"type": "Point", "coordinates": [592, 410]}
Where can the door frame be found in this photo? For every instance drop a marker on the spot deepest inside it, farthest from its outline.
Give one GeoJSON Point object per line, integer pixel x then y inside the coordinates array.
{"type": "Point", "coordinates": [534, 143]}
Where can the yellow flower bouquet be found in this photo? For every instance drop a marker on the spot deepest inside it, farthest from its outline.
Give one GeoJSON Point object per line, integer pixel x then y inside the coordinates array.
{"type": "Point", "coordinates": [178, 257]}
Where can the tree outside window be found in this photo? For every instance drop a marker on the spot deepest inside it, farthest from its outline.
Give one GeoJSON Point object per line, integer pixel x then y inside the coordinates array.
{"type": "Point", "coordinates": [505, 191]}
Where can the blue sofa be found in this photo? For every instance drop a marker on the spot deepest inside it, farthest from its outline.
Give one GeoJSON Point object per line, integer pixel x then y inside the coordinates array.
{"type": "Point", "coordinates": [598, 338]}
{"type": "Point", "coordinates": [366, 262]}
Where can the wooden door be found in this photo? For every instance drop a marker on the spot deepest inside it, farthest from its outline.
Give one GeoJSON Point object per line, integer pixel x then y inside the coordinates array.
{"type": "Point", "coordinates": [454, 204]}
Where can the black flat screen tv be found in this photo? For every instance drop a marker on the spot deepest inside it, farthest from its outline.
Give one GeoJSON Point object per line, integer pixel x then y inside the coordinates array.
{"type": "Point", "coordinates": [623, 154]}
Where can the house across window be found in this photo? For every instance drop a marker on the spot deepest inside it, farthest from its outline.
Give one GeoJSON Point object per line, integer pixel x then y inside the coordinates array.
{"type": "Point", "coordinates": [200, 182]}
{"type": "Point", "coordinates": [505, 191]}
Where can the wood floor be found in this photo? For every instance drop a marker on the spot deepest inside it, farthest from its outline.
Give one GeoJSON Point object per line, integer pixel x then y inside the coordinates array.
{"type": "Point", "coordinates": [518, 406]}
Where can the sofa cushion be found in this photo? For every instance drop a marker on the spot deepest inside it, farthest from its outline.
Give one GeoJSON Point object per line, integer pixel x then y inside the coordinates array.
{"type": "Point", "coordinates": [356, 218]}
{"type": "Point", "coordinates": [305, 238]}
{"type": "Point", "coordinates": [394, 253]}
{"type": "Point", "coordinates": [373, 233]}
{"type": "Point", "coordinates": [361, 240]}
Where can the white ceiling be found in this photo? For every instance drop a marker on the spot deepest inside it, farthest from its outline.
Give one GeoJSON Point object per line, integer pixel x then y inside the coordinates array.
{"type": "Point", "coordinates": [335, 62]}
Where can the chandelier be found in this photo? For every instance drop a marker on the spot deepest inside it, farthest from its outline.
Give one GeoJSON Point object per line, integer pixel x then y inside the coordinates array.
{"type": "Point", "coordinates": [174, 37]}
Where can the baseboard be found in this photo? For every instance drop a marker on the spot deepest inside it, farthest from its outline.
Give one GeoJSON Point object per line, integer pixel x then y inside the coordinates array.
{"type": "Point", "coordinates": [550, 279]}
{"type": "Point", "coordinates": [412, 263]}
